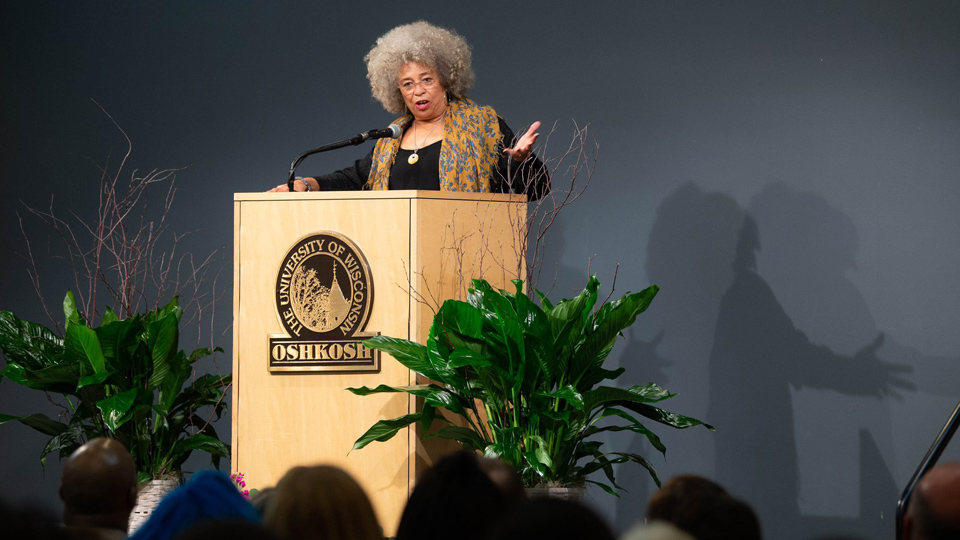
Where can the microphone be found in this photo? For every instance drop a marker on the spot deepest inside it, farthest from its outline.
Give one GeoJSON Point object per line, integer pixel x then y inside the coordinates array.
{"type": "Point", "coordinates": [393, 131]}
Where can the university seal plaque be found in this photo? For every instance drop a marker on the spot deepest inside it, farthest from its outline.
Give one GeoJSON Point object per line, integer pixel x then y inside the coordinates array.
{"type": "Point", "coordinates": [324, 294]}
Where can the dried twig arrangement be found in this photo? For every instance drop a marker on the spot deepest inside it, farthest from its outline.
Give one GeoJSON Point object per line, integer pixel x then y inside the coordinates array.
{"type": "Point", "coordinates": [571, 172]}
{"type": "Point", "coordinates": [122, 258]}
{"type": "Point", "coordinates": [568, 175]}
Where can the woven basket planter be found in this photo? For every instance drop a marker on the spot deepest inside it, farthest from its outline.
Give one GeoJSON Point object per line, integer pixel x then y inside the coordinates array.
{"type": "Point", "coordinates": [569, 493]}
{"type": "Point", "coordinates": [149, 495]}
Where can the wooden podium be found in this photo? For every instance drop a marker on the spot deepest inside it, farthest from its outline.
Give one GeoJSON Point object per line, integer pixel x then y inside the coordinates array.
{"type": "Point", "coordinates": [421, 247]}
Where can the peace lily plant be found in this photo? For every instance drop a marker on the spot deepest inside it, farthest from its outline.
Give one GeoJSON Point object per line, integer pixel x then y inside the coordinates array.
{"type": "Point", "coordinates": [119, 372]}
{"type": "Point", "coordinates": [528, 383]}
{"type": "Point", "coordinates": [126, 379]}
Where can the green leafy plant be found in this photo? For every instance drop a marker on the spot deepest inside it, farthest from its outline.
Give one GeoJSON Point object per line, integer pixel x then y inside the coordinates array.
{"type": "Point", "coordinates": [527, 382]}
{"type": "Point", "coordinates": [126, 379]}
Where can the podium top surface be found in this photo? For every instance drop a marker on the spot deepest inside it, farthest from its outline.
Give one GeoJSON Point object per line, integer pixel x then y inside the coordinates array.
{"type": "Point", "coordinates": [388, 194]}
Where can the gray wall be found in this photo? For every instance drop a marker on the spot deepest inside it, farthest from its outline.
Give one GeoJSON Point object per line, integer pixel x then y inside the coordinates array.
{"type": "Point", "coordinates": [785, 171]}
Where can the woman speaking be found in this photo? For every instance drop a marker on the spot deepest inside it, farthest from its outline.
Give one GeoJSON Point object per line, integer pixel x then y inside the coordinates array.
{"type": "Point", "coordinates": [449, 143]}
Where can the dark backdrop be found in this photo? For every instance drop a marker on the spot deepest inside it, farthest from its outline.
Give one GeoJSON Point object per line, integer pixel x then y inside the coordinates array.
{"type": "Point", "coordinates": [787, 172]}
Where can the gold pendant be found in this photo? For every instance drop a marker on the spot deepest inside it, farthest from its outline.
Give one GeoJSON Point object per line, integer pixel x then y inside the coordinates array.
{"type": "Point", "coordinates": [413, 158]}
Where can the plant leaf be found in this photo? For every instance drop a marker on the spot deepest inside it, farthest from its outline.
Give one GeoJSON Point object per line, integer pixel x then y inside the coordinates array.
{"type": "Point", "coordinates": [598, 374]}
{"type": "Point", "coordinates": [162, 341]}
{"type": "Point", "coordinates": [115, 408]}
{"type": "Point", "coordinates": [427, 414]}
{"type": "Point", "coordinates": [460, 317]}
{"type": "Point", "coordinates": [59, 378]}
{"type": "Point", "coordinates": [178, 371]}
{"type": "Point", "coordinates": [64, 443]}
{"type": "Point", "coordinates": [206, 390]}
{"type": "Point", "coordinates": [605, 487]}
{"type": "Point", "coordinates": [453, 402]}
{"type": "Point", "coordinates": [118, 341]}
{"type": "Point", "coordinates": [634, 426]}
{"type": "Point", "coordinates": [657, 414]}
{"type": "Point", "coordinates": [465, 436]}
{"type": "Point", "coordinates": [203, 352]}
{"type": "Point", "coordinates": [198, 441]}
{"type": "Point", "coordinates": [384, 430]}
{"type": "Point", "coordinates": [94, 379]}
{"type": "Point", "coordinates": [544, 301]}
{"type": "Point", "coordinates": [611, 320]}
{"type": "Point", "coordinates": [109, 316]}
{"type": "Point", "coordinates": [40, 422]}
{"type": "Point", "coordinates": [570, 395]}
{"type": "Point", "coordinates": [410, 354]}
{"type": "Point", "coordinates": [421, 390]}
{"type": "Point", "coordinates": [575, 309]}
{"type": "Point", "coordinates": [206, 443]}
{"type": "Point", "coordinates": [82, 346]}
{"type": "Point", "coordinates": [31, 345]}
{"type": "Point", "coordinates": [465, 357]}
{"type": "Point", "coordinates": [642, 461]}
{"type": "Point", "coordinates": [610, 394]}
{"type": "Point", "coordinates": [172, 307]}
{"type": "Point", "coordinates": [70, 313]}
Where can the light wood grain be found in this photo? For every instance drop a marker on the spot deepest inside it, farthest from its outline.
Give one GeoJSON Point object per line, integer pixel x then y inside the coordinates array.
{"type": "Point", "coordinates": [409, 239]}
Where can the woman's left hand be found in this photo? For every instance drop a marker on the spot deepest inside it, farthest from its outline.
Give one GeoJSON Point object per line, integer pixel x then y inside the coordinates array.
{"type": "Point", "coordinates": [524, 146]}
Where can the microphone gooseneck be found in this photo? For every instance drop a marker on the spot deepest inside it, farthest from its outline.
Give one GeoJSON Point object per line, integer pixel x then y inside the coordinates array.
{"type": "Point", "coordinates": [392, 131]}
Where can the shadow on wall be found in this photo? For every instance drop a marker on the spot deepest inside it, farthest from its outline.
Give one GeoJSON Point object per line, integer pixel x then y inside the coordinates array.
{"type": "Point", "coordinates": [722, 339]}
{"type": "Point", "coordinates": [690, 256]}
{"type": "Point", "coordinates": [759, 355]}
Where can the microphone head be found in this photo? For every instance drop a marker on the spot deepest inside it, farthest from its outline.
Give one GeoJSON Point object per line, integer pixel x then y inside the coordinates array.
{"type": "Point", "coordinates": [395, 131]}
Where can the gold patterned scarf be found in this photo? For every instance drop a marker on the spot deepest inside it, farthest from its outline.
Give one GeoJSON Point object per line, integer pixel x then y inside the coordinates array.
{"type": "Point", "coordinates": [468, 155]}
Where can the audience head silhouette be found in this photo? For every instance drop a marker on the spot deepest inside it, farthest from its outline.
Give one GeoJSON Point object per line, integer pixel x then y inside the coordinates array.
{"type": "Point", "coordinates": [463, 495]}
{"type": "Point", "coordinates": [321, 503]}
{"type": "Point", "coordinates": [681, 497]}
{"type": "Point", "coordinates": [506, 478]}
{"type": "Point", "coordinates": [704, 509]}
{"type": "Point", "coordinates": [656, 530]}
{"type": "Point", "coordinates": [98, 487]}
{"type": "Point", "coordinates": [453, 495]}
{"type": "Point", "coordinates": [933, 511]}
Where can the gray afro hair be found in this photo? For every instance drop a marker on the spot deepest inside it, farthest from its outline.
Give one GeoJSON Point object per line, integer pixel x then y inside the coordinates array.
{"type": "Point", "coordinates": [424, 43]}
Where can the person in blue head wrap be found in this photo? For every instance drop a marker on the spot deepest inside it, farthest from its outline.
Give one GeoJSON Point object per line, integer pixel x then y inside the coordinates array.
{"type": "Point", "coordinates": [208, 495]}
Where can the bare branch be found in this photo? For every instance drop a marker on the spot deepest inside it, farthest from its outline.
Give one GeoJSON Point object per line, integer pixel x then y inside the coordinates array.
{"type": "Point", "coordinates": [570, 173]}
{"type": "Point", "coordinates": [34, 274]}
{"type": "Point", "coordinates": [121, 256]}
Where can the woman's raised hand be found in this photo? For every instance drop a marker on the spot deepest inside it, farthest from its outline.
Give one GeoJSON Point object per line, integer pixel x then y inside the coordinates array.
{"type": "Point", "coordinates": [524, 146]}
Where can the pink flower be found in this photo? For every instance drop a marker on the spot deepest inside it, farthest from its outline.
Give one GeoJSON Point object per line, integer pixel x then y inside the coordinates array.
{"type": "Point", "coordinates": [238, 481]}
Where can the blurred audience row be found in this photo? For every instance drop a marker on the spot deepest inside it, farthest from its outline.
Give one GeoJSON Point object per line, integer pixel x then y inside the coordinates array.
{"type": "Point", "coordinates": [464, 497]}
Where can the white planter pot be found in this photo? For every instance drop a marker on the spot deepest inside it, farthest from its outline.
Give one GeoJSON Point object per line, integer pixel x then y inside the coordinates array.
{"type": "Point", "coordinates": [149, 495]}
{"type": "Point", "coordinates": [570, 493]}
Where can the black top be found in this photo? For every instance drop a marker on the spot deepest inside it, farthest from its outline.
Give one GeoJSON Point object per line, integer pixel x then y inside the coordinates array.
{"type": "Point", "coordinates": [530, 177]}
{"type": "Point", "coordinates": [424, 174]}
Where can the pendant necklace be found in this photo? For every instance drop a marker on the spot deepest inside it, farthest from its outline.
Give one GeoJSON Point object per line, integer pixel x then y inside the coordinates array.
{"type": "Point", "coordinates": [414, 158]}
